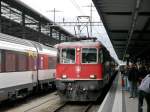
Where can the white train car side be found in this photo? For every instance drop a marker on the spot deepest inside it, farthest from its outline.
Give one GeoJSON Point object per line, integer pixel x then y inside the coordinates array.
{"type": "Point", "coordinates": [22, 68]}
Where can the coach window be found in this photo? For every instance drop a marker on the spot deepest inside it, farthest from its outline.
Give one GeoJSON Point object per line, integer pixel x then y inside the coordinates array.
{"type": "Point", "coordinates": [52, 62]}
{"type": "Point", "coordinates": [30, 63]}
{"type": "Point", "coordinates": [10, 61]}
{"type": "Point", "coordinates": [67, 56]}
{"type": "Point", "coordinates": [22, 62]}
{"type": "Point", "coordinates": [89, 55]}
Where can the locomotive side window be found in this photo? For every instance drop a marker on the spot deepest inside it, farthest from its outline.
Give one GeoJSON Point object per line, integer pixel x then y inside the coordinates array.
{"type": "Point", "coordinates": [89, 55]}
{"type": "Point", "coordinates": [67, 56]}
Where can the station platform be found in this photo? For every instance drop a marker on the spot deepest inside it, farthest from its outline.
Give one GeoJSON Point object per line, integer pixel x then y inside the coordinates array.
{"type": "Point", "coordinates": [117, 99]}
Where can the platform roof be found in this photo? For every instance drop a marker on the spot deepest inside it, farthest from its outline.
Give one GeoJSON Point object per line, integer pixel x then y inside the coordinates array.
{"type": "Point", "coordinates": [20, 20]}
{"type": "Point", "coordinates": [128, 25]}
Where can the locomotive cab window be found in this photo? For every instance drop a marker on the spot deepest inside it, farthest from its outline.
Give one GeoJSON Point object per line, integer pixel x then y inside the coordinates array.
{"type": "Point", "coordinates": [89, 55]}
{"type": "Point", "coordinates": [67, 56]}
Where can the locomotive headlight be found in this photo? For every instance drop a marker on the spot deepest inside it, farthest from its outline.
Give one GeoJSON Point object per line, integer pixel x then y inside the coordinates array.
{"type": "Point", "coordinates": [78, 49]}
{"type": "Point", "coordinates": [64, 76]}
{"type": "Point", "coordinates": [92, 76]}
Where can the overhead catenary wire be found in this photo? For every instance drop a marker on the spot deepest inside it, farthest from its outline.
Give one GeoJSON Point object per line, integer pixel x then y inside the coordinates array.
{"type": "Point", "coordinates": [77, 6]}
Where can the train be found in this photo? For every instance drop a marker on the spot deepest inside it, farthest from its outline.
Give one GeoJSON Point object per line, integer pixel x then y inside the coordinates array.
{"type": "Point", "coordinates": [25, 66]}
{"type": "Point", "coordinates": [83, 69]}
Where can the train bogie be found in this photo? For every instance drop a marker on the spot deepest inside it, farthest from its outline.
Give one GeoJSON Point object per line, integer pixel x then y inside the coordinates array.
{"type": "Point", "coordinates": [15, 92]}
{"type": "Point", "coordinates": [79, 90]}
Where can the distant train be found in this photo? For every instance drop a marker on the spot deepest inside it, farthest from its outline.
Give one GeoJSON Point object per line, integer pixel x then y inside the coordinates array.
{"type": "Point", "coordinates": [25, 66]}
{"type": "Point", "coordinates": [84, 68]}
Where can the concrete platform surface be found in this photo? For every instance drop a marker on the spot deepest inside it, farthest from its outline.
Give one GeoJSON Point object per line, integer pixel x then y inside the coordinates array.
{"type": "Point", "coordinates": [117, 100]}
{"type": "Point", "coordinates": [131, 105]}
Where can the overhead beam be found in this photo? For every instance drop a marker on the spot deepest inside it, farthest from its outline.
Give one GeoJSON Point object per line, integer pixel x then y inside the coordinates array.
{"type": "Point", "coordinates": [126, 31]}
{"type": "Point", "coordinates": [127, 13]}
{"type": "Point", "coordinates": [135, 40]}
{"type": "Point", "coordinates": [133, 24]}
{"type": "Point", "coordinates": [119, 39]}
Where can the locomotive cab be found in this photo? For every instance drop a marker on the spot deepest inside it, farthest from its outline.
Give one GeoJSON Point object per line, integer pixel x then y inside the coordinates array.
{"type": "Point", "coordinates": [79, 71]}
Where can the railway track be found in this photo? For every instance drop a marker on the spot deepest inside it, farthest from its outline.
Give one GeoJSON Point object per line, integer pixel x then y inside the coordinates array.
{"type": "Point", "coordinates": [67, 107]}
{"type": "Point", "coordinates": [52, 103]}
{"type": "Point", "coordinates": [59, 108]}
{"type": "Point", "coordinates": [44, 102]}
{"type": "Point", "coordinates": [32, 104]}
{"type": "Point", "coordinates": [86, 106]}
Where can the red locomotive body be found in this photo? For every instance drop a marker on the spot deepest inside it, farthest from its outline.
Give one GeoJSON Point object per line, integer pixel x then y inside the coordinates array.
{"type": "Point", "coordinates": [82, 71]}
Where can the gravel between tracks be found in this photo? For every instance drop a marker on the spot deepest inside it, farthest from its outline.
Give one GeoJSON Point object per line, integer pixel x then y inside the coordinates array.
{"type": "Point", "coordinates": [38, 104]}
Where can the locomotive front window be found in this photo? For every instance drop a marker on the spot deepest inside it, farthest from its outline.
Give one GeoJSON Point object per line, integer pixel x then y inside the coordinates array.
{"type": "Point", "coordinates": [67, 56]}
{"type": "Point", "coordinates": [89, 55]}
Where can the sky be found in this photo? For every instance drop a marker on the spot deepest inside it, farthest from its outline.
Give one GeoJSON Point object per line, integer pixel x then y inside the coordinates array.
{"type": "Point", "coordinates": [68, 11]}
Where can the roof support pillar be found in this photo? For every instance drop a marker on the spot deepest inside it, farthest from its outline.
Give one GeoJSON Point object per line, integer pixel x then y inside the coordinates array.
{"type": "Point", "coordinates": [39, 26]}
{"type": "Point", "coordinates": [66, 39]}
{"type": "Point", "coordinates": [23, 25]}
{"type": "Point", "coordinates": [51, 31]}
{"type": "Point", "coordinates": [59, 37]}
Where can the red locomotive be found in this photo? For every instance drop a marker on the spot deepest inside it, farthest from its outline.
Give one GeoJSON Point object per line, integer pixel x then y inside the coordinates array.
{"type": "Point", "coordinates": [83, 69]}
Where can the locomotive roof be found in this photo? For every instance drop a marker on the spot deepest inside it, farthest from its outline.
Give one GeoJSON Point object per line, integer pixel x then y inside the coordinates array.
{"type": "Point", "coordinates": [80, 44]}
